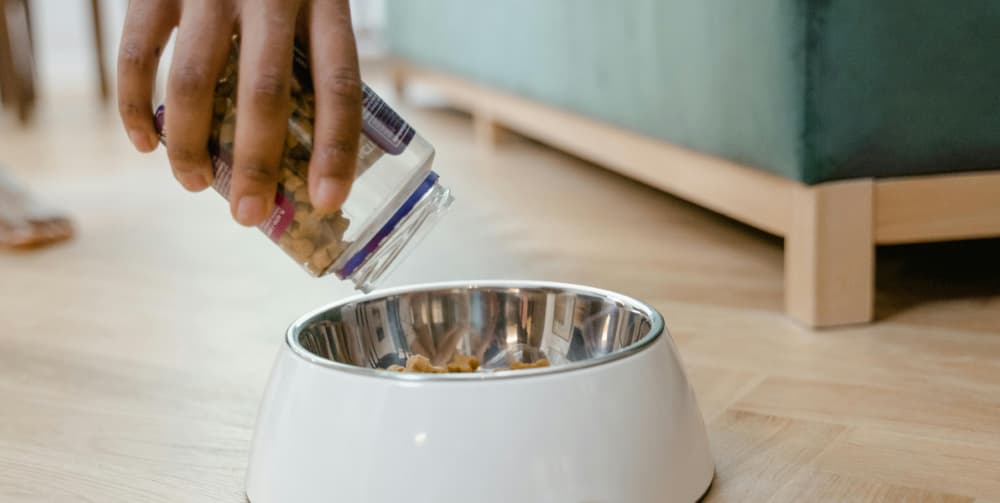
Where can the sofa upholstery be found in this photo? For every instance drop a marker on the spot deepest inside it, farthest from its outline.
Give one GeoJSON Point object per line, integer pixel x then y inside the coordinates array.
{"type": "Point", "coordinates": [812, 90]}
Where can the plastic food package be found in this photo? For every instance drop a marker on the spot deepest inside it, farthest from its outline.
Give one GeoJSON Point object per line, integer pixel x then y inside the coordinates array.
{"type": "Point", "coordinates": [395, 198]}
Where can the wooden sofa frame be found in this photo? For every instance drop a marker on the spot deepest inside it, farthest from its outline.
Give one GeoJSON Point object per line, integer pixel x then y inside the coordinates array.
{"type": "Point", "coordinates": [830, 229]}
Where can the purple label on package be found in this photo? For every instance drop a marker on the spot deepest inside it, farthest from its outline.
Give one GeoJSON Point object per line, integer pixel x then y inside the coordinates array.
{"type": "Point", "coordinates": [160, 122]}
{"type": "Point", "coordinates": [284, 207]}
{"type": "Point", "coordinates": [383, 125]}
{"type": "Point", "coordinates": [222, 161]}
{"type": "Point", "coordinates": [281, 216]}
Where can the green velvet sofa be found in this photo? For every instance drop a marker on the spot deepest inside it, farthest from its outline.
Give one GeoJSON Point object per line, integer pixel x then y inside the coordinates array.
{"type": "Point", "coordinates": [820, 103]}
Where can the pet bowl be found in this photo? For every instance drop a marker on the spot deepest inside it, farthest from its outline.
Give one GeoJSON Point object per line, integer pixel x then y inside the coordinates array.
{"type": "Point", "coordinates": [611, 419]}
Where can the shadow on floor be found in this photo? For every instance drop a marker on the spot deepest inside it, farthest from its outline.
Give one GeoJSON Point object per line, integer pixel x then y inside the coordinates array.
{"type": "Point", "coordinates": [911, 275]}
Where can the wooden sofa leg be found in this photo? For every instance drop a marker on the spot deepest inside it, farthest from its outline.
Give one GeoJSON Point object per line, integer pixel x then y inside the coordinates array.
{"type": "Point", "coordinates": [830, 254]}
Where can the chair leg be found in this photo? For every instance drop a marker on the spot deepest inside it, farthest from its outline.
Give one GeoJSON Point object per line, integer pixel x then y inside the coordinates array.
{"type": "Point", "coordinates": [8, 84]}
{"type": "Point", "coordinates": [102, 71]}
{"type": "Point", "coordinates": [830, 255]}
{"type": "Point", "coordinates": [17, 72]}
{"type": "Point", "coordinates": [24, 52]}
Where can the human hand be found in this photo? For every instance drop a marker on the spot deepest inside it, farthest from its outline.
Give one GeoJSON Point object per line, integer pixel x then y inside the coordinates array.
{"type": "Point", "coordinates": [268, 29]}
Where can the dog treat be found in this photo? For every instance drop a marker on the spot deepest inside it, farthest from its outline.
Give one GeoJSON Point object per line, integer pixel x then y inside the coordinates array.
{"type": "Point", "coordinates": [459, 363]}
{"type": "Point", "coordinates": [420, 363]}
{"type": "Point", "coordinates": [463, 363]}
{"type": "Point", "coordinates": [522, 365]}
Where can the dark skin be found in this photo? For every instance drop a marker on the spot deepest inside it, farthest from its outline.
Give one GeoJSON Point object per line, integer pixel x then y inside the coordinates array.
{"type": "Point", "coordinates": [267, 30]}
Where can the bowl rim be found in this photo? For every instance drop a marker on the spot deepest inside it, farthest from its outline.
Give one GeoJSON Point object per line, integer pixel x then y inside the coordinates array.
{"type": "Point", "coordinates": [657, 328]}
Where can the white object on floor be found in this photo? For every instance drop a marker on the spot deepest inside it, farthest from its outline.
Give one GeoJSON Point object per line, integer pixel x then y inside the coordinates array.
{"type": "Point", "coordinates": [625, 429]}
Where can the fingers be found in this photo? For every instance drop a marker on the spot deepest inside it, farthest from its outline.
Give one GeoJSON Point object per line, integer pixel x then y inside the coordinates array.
{"type": "Point", "coordinates": [337, 84]}
{"type": "Point", "coordinates": [147, 28]}
{"type": "Point", "coordinates": [203, 44]}
{"type": "Point", "coordinates": [263, 107]}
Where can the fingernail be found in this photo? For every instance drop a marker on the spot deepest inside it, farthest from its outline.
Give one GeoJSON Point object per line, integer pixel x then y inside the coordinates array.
{"type": "Point", "coordinates": [194, 182]}
{"type": "Point", "coordinates": [329, 193]}
{"type": "Point", "coordinates": [250, 210]}
{"type": "Point", "coordinates": [141, 141]}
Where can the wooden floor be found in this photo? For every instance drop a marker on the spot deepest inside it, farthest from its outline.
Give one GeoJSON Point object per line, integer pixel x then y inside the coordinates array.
{"type": "Point", "coordinates": [132, 360]}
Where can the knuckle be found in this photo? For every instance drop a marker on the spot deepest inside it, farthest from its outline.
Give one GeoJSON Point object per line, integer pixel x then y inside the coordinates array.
{"type": "Point", "coordinates": [132, 56]}
{"type": "Point", "coordinates": [192, 80]}
{"type": "Point", "coordinates": [336, 153]}
{"type": "Point", "coordinates": [129, 110]}
{"type": "Point", "coordinates": [269, 90]}
{"type": "Point", "coordinates": [184, 158]}
{"type": "Point", "coordinates": [343, 84]}
{"type": "Point", "coordinates": [257, 173]}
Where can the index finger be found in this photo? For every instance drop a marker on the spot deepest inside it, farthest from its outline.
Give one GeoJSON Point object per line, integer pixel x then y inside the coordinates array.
{"type": "Point", "coordinates": [147, 27]}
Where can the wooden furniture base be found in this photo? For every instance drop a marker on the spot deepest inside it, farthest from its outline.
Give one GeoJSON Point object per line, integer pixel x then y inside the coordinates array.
{"type": "Point", "coordinates": [830, 229]}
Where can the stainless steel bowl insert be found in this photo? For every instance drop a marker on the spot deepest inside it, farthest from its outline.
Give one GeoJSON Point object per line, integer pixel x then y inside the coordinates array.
{"type": "Point", "coordinates": [498, 322]}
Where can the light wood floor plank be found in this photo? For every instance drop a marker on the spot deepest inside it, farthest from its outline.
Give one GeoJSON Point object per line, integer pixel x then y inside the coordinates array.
{"type": "Point", "coordinates": [132, 359]}
{"type": "Point", "coordinates": [822, 487]}
{"type": "Point", "coordinates": [930, 414]}
{"type": "Point", "coordinates": [757, 454]}
{"type": "Point", "coordinates": [917, 461]}
{"type": "Point", "coordinates": [717, 388]}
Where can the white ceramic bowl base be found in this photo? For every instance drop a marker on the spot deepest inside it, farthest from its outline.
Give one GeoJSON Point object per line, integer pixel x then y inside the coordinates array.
{"type": "Point", "coordinates": [625, 431]}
